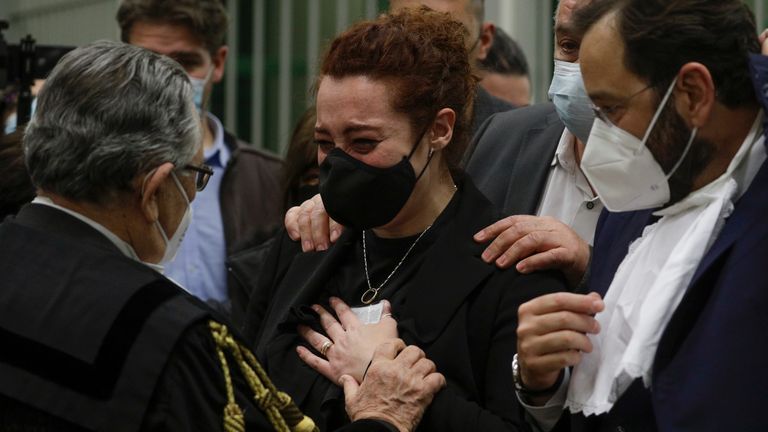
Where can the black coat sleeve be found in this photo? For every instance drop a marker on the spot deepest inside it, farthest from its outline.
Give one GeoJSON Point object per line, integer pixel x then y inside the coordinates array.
{"type": "Point", "coordinates": [496, 408]}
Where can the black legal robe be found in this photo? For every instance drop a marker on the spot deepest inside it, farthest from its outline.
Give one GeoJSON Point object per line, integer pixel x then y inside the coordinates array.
{"type": "Point", "coordinates": [93, 340]}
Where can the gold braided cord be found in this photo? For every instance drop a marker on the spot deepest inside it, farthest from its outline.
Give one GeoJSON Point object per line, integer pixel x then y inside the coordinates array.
{"type": "Point", "coordinates": [282, 413]}
{"type": "Point", "coordinates": [234, 421]}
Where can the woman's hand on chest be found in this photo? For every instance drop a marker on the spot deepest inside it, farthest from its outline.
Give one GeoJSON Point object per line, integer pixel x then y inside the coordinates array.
{"type": "Point", "coordinates": [348, 345]}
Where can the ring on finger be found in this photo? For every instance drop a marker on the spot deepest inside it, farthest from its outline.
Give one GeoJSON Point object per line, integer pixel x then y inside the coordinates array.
{"type": "Point", "coordinates": [326, 346]}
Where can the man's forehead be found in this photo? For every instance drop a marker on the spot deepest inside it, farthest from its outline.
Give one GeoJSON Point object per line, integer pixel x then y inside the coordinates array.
{"type": "Point", "coordinates": [602, 60]}
{"type": "Point", "coordinates": [165, 37]}
{"type": "Point", "coordinates": [565, 13]}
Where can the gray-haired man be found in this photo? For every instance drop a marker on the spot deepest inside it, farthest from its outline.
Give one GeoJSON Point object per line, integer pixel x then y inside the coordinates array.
{"type": "Point", "coordinates": [94, 338]}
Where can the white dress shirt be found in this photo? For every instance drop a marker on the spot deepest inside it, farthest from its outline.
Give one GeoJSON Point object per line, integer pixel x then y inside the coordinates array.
{"type": "Point", "coordinates": [119, 243]}
{"type": "Point", "coordinates": [568, 196]}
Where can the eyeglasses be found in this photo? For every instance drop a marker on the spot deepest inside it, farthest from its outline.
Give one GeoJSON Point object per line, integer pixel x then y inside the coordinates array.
{"type": "Point", "coordinates": [203, 173]}
{"type": "Point", "coordinates": [605, 114]}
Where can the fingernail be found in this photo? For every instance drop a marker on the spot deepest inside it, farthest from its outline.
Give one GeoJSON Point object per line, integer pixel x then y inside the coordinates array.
{"type": "Point", "coordinates": [335, 233]}
{"type": "Point", "coordinates": [322, 247]}
{"type": "Point", "coordinates": [480, 236]}
{"type": "Point", "coordinates": [502, 260]}
{"type": "Point", "coordinates": [306, 245]}
{"type": "Point", "coordinates": [486, 256]}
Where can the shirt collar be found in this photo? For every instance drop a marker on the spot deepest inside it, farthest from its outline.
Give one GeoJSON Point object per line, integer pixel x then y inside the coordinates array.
{"type": "Point", "coordinates": [218, 155]}
{"type": "Point", "coordinates": [123, 246]}
{"type": "Point", "coordinates": [564, 155]}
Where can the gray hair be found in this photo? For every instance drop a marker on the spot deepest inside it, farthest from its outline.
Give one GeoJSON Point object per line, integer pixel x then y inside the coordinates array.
{"type": "Point", "coordinates": [108, 112]}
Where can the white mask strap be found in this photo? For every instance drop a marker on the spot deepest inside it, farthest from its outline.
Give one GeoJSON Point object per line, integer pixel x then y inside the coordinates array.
{"type": "Point", "coordinates": [659, 110]}
{"type": "Point", "coordinates": [685, 152]}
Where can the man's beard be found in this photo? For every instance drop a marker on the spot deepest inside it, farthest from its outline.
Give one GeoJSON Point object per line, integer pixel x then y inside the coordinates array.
{"type": "Point", "coordinates": [667, 143]}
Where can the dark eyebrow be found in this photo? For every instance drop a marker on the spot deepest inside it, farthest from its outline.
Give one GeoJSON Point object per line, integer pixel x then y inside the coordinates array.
{"type": "Point", "coordinates": [186, 57]}
{"type": "Point", "coordinates": [361, 128]}
{"type": "Point", "coordinates": [601, 94]}
{"type": "Point", "coordinates": [567, 29]}
{"type": "Point", "coordinates": [351, 129]}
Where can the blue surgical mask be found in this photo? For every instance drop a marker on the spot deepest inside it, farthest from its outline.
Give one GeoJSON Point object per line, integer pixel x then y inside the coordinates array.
{"type": "Point", "coordinates": [198, 88]}
{"type": "Point", "coordinates": [570, 98]}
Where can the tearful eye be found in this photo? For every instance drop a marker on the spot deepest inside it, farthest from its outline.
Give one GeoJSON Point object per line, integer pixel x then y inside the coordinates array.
{"type": "Point", "coordinates": [324, 145]}
{"type": "Point", "coordinates": [364, 145]}
{"type": "Point", "coordinates": [366, 142]}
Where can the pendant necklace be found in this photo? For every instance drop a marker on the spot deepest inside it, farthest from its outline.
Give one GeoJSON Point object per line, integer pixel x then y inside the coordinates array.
{"type": "Point", "coordinates": [370, 294]}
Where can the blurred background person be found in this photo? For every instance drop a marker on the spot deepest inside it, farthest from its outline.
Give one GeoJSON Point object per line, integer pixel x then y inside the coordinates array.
{"type": "Point", "coordinates": [471, 13]}
{"type": "Point", "coordinates": [504, 71]}
{"type": "Point", "coordinates": [301, 178]}
{"type": "Point", "coordinates": [243, 203]}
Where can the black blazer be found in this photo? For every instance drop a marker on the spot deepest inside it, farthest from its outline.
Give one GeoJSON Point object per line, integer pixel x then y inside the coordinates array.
{"type": "Point", "coordinates": [511, 156]}
{"type": "Point", "coordinates": [463, 315]}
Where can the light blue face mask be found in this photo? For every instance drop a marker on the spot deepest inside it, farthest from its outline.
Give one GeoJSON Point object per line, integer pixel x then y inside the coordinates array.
{"type": "Point", "coordinates": [198, 88]}
{"type": "Point", "coordinates": [11, 123]}
{"type": "Point", "coordinates": [572, 104]}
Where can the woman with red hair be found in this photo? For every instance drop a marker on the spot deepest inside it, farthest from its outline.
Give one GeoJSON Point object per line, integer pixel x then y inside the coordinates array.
{"type": "Point", "coordinates": [393, 104]}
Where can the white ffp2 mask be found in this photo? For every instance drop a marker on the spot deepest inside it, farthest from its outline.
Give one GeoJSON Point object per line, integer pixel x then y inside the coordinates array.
{"type": "Point", "coordinates": [622, 169]}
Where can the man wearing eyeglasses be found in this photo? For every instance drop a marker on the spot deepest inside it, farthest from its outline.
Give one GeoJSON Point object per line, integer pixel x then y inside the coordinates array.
{"type": "Point", "coordinates": [244, 201]}
{"type": "Point", "coordinates": [94, 337]}
{"type": "Point", "coordinates": [678, 155]}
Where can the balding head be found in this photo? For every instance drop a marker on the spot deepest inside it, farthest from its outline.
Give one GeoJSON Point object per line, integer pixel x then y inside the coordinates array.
{"type": "Point", "coordinates": [468, 12]}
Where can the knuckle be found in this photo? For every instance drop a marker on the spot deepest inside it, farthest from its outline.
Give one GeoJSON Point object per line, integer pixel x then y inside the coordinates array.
{"type": "Point", "coordinates": [534, 238]}
{"type": "Point", "coordinates": [558, 301]}
{"type": "Point", "coordinates": [523, 347]}
{"type": "Point", "coordinates": [573, 357]}
{"type": "Point", "coordinates": [561, 320]}
{"type": "Point", "coordinates": [306, 206]}
{"type": "Point", "coordinates": [524, 310]}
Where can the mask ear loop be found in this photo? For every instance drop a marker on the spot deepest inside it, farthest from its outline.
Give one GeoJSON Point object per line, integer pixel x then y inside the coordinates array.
{"type": "Point", "coordinates": [429, 157]}
{"type": "Point", "coordinates": [685, 153]}
{"type": "Point", "coordinates": [659, 110]}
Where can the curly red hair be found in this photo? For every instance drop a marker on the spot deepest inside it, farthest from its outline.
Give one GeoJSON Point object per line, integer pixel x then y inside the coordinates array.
{"type": "Point", "coordinates": [423, 53]}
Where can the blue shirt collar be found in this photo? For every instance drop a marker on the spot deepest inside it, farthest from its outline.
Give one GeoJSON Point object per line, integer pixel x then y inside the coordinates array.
{"type": "Point", "coordinates": [218, 155]}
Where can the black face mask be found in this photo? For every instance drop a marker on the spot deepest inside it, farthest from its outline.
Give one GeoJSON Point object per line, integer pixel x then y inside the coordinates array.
{"type": "Point", "coordinates": [361, 196]}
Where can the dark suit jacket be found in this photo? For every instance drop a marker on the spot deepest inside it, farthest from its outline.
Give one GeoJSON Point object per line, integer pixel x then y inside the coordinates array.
{"type": "Point", "coordinates": [486, 105]}
{"type": "Point", "coordinates": [709, 372]}
{"type": "Point", "coordinates": [460, 311]}
{"type": "Point", "coordinates": [511, 156]}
